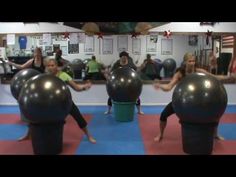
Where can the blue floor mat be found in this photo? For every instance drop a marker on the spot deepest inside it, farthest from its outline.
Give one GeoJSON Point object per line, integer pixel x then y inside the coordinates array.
{"type": "Point", "coordinates": [102, 109]}
{"type": "Point", "coordinates": [12, 131]}
{"type": "Point", "coordinates": [228, 131]}
{"type": "Point", "coordinates": [113, 138]}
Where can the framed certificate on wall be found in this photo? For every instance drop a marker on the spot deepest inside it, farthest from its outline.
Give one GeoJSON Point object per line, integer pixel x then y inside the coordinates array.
{"type": "Point", "coordinates": [151, 44]}
{"type": "Point", "coordinates": [122, 43]}
{"type": "Point", "coordinates": [89, 44]}
{"type": "Point", "coordinates": [136, 46]}
{"type": "Point", "coordinates": [107, 46]}
{"type": "Point", "coordinates": [167, 46]}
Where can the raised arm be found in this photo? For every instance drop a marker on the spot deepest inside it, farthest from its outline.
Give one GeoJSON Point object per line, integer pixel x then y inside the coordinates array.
{"type": "Point", "coordinates": [219, 77]}
{"type": "Point", "coordinates": [23, 66]}
{"type": "Point", "coordinates": [79, 87]}
{"type": "Point", "coordinates": [170, 85]}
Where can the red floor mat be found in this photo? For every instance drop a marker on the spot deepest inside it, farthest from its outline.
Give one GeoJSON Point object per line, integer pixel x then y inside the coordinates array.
{"type": "Point", "coordinates": [172, 141]}
{"type": "Point", "coordinates": [71, 138]}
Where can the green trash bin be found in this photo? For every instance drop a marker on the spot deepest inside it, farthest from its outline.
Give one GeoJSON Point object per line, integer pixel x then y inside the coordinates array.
{"type": "Point", "coordinates": [124, 111]}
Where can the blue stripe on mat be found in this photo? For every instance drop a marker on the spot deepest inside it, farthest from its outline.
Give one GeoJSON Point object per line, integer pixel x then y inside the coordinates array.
{"type": "Point", "coordinates": [145, 109]}
{"type": "Point", "coordinates": [113, 138]}
{"type": "Point", "coordinates": [228, 131]}
{"type": "Point", "coordinates": [12, 131]}
{"type": "Point", "coordinates": [102, 109]}
{"type": "Point", "coordinates": [9, 110]}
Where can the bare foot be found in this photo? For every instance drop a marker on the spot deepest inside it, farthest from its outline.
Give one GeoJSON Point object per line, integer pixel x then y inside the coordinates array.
{"type": "Point", "coordinates": [107, 112]}
{"type": "Point", "coordinates": [91, 139]}
{"type": "Point", "coordinates": [23, 138]}
{"type": "Point", "coordinates": [158, 138]}
{"type": "Point", "coordinates": [141, 112]}
{"type": "Point", "coordinates": [218, 137]}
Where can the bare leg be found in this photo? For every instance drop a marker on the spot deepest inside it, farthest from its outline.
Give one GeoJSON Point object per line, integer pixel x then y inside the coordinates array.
{"type": "Point", "coordinates": [108, 111]}
{"type": "Point", "coordinates": [139, 110]}
{"type": "Point", "coordinates": [90, 138]}
{"type": "Point", "coordinates": [162, 129]}
{"type": "Point", "coordinates": [27, 136]}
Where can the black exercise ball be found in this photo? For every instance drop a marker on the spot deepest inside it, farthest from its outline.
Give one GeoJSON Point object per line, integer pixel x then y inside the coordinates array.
{"type": "Point", "coordinates": [158, 64]}
{"type": "Point", "coordinates": [19, 80]}
{"type": "Point", "coordinates": [124, 85]}
{"type": "Point", "coordinates": [169, 66]}
{"type": "Point", "coordinates": [199, 98]}
{"type": "Point", "coordinates": [77, 66]}
{"type": "Point", "coordinates": [45, 99]}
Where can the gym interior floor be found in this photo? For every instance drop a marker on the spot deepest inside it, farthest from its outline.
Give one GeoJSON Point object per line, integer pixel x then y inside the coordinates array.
{"type": "Point", "coordinates": [114, 138]}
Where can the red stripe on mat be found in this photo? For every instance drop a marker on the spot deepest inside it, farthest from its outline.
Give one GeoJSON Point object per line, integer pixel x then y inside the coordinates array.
{"type": "Point", "coordinates": [71, 139]}
{"type": "Point", "coordinates": [10, 119]}
{"type": "Point", "coordinates": [228, 118]}
{"type": "Point", "coordinates": [172, 141]}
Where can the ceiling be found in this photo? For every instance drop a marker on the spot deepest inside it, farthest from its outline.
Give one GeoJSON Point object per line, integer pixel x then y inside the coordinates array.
{"type": "Point", "coordinates": [114, 27]}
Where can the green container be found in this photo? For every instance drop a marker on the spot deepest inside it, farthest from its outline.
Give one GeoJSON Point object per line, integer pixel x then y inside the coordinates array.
{"type": "Point", "coordinates": [124, 111]}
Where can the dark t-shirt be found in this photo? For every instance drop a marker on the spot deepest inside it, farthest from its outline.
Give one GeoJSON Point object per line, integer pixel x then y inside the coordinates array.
{"type": "Point", "coordinates": [40, 68]}
{"type": "Point", "coordinates": [130, 63]}
{"type": "Point", "coordinates": [117, 65]}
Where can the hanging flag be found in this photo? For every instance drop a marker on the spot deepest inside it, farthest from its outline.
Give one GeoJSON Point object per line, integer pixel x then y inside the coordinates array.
{"type": "Point", "coordinates": [228, 41]}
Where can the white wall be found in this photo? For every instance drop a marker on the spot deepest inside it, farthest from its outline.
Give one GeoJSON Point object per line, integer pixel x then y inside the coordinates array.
{"type": "Point", "coordinates": [180, 42]}
{"type": "Point", "coordinates": [41, 27]}
{"type": "Point", "coordinates": [195, 27]}
{"type": "Point", "coordinates": [97, 95]}
{"type": "Point", "coordinates": [180, 47]}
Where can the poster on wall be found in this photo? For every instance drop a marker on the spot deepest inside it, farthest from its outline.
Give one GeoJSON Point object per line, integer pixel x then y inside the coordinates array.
{"type": "Point", "coordinates": [122, 43]}
{"type": "Point", "coordinates": [107, 47]}
{"type": "Point", "coordinates": [89, 44]}
{"type": "Point", "coordinates": [11, 38]}
{"type": "Point", "coordinates": [207, 42]}
{"type": "Point", "coordinates": [193, 40]}
{"type": "Point", "coordinates": [154, 38]}
{"type": "Point", "coordinates": [74, 38]}
{"type": "Point", "coordinates": [47, 39]}
{"type": "Point", "coordinates": [73, 48]}
{"type": "Point", "coordinates": [151, 44]}
{"type": "Point", "coordinates": [167, 46]}
{"type": "Point", "coordinates": [82, 37]}
{"type": "Point", "coordinates": [136, 46]}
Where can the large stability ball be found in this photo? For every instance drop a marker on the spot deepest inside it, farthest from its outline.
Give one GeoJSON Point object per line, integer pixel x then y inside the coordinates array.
{"type": "Point", "coordinates": [124, 85]}
{"type": "Point", "coordinates": [169, 66]}
{"type": "Point", "coordinates": [45, 99]}
{"type": "Point", "coordinates": [19, 80]}
{"type": "Point", "coordinates": [158, 66]}
{"type": "Point", "coordinates": [77, 66]}
{"type": "Point", "coordinates": [199, 98]}
{"type": "Point", "coordinates": [158, 63]}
